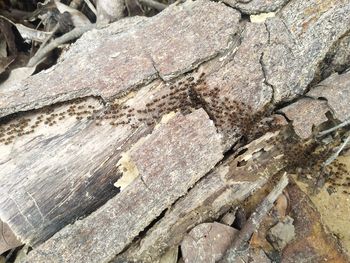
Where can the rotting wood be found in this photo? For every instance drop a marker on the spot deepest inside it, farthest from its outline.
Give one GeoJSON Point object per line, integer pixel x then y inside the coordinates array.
{"type": "Point", "coordinates": [97, 175]}
{"type": "Point", "coordinates": [227, 185]}
{"type": "Point", "coordinates": [195, 145]}
{"type": "Point", "coordinates": [84, 154]}
{"type": "Point", "coordinates": [118, 59]}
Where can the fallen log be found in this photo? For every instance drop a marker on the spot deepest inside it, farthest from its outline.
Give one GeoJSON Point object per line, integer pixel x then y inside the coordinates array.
{"type": "Point", "coordinates": [79, 169]}
{"type": "Point", "coordinates": [152, 187]}
{"type": "Point", "coordinates": [65, 131]}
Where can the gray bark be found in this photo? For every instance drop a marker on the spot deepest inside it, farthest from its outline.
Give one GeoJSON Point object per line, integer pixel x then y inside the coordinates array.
{"type": "Point", "coordinates": [220, 73]}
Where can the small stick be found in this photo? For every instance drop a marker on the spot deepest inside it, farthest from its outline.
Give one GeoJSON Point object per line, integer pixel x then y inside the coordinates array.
{"type": "Point", "coordinates": [329, 161]}
{"type": "Point", "coordinates": [254, 221]}
{"type": "Point", "coordinates": [153, 4]}
{"type": "Point", "coordinates": [341, 125]}
{"type": "Point", "coordinates": [91, 6]}
{"type": "Point", "coordinates": [73, 34]}
{"type": "Point", "coordinates": [47, 39]}
{"type": "Point", "coordinates": [336, 154]}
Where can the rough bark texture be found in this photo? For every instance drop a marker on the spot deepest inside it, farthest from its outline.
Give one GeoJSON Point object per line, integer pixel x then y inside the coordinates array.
{"type": "Point", "coordinates": [219, 77]}
{"type": "Point", "coordinates": [188, 140]}
{"type": "Point", "coordinates": [230, 183]}
{"type": "Point", "coordinates": [129, 56]}
{"type": "Point", "coordinates": [75, 155]}
{"type": "Point", "coordinates": [207, 242]}
{"type": "Point", "coordinates": [300, 37]}
{"type": "Point", "coordinates": [334, 89]}
{"type": "Point", "coordinates": [305, 114]}
{"type": "Point", "coordinates": [256, 6]}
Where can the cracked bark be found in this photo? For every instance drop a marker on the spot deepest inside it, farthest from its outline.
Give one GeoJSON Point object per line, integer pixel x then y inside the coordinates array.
{"type": "Point", "coordinates": [257, 6]}
{"type": "Point", "coordinates": [256, 65]}
{"type": "Point", "coordinates": [161, 182]}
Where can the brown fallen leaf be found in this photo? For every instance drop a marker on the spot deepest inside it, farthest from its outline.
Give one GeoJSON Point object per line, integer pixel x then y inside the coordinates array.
{"type": "Point", "coordinates": [282, 205]}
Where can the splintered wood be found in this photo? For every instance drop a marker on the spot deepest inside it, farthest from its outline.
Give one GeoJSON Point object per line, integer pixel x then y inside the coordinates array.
{"type": "Point", "coordinates": [196, 147]}
{"type": "Point", "coordinates": [227, 185]}
{"type": "Point", "coordinates": [129, 136]}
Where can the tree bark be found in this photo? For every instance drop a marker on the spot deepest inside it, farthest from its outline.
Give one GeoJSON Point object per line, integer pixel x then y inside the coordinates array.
{"type": "Point", "coordinates": [141, 122]}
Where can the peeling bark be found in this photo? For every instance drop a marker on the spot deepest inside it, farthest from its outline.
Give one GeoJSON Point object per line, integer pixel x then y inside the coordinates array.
{"type": "Point", "coordinates": [193, 140]}
{"type": "Point", "coordinates": [220, 75]}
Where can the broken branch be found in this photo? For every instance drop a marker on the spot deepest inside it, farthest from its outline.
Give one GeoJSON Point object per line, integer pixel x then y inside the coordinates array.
{"type": "Point", "coordinates": [254, 221]}
{"type": "Point", "coordinates": [336, 154]}
{"type": "Point", "coordinates": [71, 35]}
{"type": "Point", "coordinates": [341, 125]}
{"type": "Point", "coordinates": [91, 6]}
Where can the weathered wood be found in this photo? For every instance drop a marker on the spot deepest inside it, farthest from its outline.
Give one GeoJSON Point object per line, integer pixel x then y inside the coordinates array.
{"type": "Point", "coordinates": [337, 59]}
{"type": "Point", "coordinates": [256, 6]}
{"type": "Point", "coordinates": [305, 114]}
{"type": "Point", "coordinates": [73, 171]}
{"type": "Point", "coordinates": [69, 172]}
{"type": "Point", "coordinates": [300, 36]}
{"type": "Point", "coordinates": [228, 185]}
{"type": "Point", "coordinates": [115, 60]}
{"type": "Point", "coordinates": [233, 99]}
{"type": "Point", "coordinates": [78, 161]}
{"type": "Point", "coordinates": [273, 61]}
{"type": "Point", "coordinates": [191, 140]}
{"type": "Point", "coordinates": [335, 89]}
{"type": "Point", "coordinates": [212, 196]}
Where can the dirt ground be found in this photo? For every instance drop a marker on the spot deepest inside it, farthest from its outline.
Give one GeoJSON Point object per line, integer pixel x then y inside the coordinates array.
{"type": "Point", "coordinates": [334, 207]}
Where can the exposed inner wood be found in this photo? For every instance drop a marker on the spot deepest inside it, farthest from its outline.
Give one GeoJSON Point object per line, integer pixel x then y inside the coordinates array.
{"type": "Point", "coordinates": [164, 123]}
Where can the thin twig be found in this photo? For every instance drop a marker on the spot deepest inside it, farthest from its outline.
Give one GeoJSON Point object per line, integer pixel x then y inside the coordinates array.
{"type": "Point", "coordinates": [47, 39]}
{"type": "Point", "coordinates": [71, 35]}
{"type": "Point", "coordinates": [327, 162]}
{"type": "Point", "coordinates": [336, 154]}
{"type": "Point", "coordinates": [254, 221]}
{"type": "Point", "coordinates": [91, 6]}
{"type": "Point", "coordinates": [341, 125]}
{"type": "Point", "coordinates": [153, 4]}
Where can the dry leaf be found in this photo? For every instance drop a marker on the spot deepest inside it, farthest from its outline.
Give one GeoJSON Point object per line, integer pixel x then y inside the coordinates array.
{"type": "Point", "coordinates": [78, 18]}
